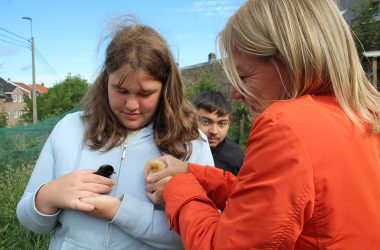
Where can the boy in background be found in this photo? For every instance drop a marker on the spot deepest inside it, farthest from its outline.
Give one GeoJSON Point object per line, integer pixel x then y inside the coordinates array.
{"type": "Point", "coordinates": [214, 118]}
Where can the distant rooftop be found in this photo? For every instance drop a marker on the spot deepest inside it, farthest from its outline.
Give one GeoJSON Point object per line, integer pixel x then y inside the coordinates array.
{"type": "Point", "coordinates": [211, 60]}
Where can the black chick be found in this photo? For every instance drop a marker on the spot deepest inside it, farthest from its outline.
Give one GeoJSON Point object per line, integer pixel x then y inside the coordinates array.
{"type": "Point", "coordinates": [105, 170]}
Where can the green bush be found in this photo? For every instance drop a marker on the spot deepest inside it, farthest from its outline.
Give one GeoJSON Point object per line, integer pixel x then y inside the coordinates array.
{"type": "Point", "coordinates": [3, 120]}
{"type": "Point", "coordinates": [12, 234]}
{"type": "Point", "coordinates": [204, 84]}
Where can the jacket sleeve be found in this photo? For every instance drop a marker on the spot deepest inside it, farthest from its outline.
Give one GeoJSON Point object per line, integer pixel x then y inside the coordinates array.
{"type": "Point", "coordinates": [217, 183]}
{"type": "Point", "coordinates": [273, 196]}
{"type": "Point", "coordinates": [43, 172]}
{"type": "Point", "coordinates": [148, 223]}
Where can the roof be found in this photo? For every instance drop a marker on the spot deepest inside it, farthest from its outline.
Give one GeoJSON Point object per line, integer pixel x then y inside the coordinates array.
{"type": "Point", "coordinates": [8, 87]}
{"type": "Point", "coordinates": [346, 8]}
{"type": "Point", "coordinates": [199, 65]}
{"type": "Point", "coordinates": [347, 4]}
{"type": "Point", "coordinates": [40, 88]}
{"type": "Point", "coordinates": [24, 86]}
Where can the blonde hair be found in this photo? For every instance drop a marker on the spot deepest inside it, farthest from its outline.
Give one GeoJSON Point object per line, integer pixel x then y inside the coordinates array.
{"type": "Point", "coordinates": [175, 121]}
{"type": "Point", "coordinates": [314, 42]}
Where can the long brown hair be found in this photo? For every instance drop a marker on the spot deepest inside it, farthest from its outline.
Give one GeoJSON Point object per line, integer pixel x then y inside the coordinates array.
{"type": "Point", "coordinates": [174, 124]}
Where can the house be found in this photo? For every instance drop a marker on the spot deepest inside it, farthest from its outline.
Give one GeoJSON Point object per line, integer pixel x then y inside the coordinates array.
{"type": "Point", "coordinates": [13, 102]}
{"type": "Point", "coordinates": [346, 8]}
{"type": "Point", "coordinates": [12, 99]}
{"type": "Point", "coordinates": [2, 95]}
{"type": "Point", "coordinates": [194, 73]}
{"type": "Point", "coordinates": [40, 88]}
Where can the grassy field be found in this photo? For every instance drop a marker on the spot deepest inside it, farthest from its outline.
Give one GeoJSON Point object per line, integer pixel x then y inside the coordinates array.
{"type": "Point", "coordinates": [12, 234]}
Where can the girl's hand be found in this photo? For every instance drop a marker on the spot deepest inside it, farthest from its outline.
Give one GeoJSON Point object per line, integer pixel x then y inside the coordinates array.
{"type": "Point", "coordinates": [157, 179]}
{"type": "Point", "coordinates": [105, 206]}
{"type": "Point", "coordinates": [155, 190]}
{"type": "Point", "coordinates": [67, 191]}
{"type": "Point", "coordinates": [173, 166]}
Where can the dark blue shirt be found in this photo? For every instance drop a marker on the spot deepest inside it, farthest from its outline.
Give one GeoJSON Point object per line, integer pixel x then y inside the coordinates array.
{"type": "Point", "coordinates": [228, 156]}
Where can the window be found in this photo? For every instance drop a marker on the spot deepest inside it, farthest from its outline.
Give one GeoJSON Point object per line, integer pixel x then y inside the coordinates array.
{"type": "Point", "coordinates": [17, 114]}
{"type": "Point", "coordinates": [7, 115]}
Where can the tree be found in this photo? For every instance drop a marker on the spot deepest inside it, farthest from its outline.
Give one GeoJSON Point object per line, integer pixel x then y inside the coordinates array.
{"type": "Point", "coordinates": [365, 26]}
{"type": "Point", "coordinates": [206, 83]}
{"type": "Point", "coordinates": [3, 120]}
{"type": "Point", "coordinates": [240, 124]}
{"type": "Point", "coordinates": [61, 98]}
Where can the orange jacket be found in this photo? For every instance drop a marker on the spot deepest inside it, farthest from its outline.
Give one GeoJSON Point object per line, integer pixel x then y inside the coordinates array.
{"type": "Point", "coordinates": [310, 180]}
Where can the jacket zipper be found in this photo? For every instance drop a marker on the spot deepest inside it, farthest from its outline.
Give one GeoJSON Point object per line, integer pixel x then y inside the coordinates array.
{"type": "Point", "coordinates": [110, 226]}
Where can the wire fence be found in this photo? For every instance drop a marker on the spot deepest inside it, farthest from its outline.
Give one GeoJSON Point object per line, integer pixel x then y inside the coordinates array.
{"type": "Point", "coordinates": [21, 146]}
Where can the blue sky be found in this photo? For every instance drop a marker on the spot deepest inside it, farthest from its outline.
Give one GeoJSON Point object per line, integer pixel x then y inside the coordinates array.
{"type": "Point", "coordinates": [67, 33]}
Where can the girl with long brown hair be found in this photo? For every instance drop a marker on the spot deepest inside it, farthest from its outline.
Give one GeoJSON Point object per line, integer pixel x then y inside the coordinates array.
{"type": "Point", "coordinates": [134, 111]}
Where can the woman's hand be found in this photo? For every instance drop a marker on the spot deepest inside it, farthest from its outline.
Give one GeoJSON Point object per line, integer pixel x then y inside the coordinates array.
{"type": "Point", "coordinates": [67, 191]}
{"type": "Point", "coordinates": [173, 166]}
{"type": "Point", "coordinates": [158, 179]}
{"type": "Point", "coordinates": [105, 206]}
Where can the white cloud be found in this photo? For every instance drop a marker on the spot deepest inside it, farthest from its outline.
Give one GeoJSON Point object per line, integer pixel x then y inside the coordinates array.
{"type": "Point", "coordinates": [223, 8]}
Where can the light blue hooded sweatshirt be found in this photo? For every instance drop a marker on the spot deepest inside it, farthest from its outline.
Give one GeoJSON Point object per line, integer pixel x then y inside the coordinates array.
{"type": "Point", "coordinates": [138, 224]}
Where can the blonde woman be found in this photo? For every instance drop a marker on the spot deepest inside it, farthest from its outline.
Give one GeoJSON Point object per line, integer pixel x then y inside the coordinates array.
{"type": "Point", "coordinates": [310, 178]}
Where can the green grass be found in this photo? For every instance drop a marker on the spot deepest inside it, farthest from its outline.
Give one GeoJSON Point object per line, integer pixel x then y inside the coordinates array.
{"type": "Point", "coordinates": [12, 234]}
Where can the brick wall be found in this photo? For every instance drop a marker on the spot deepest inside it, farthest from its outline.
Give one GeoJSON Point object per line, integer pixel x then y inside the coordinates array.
{"type": "Point", "coordinates": [14, 109]}
{"type": "Point", "coordinates": [2, 101]}
{"type": "Point", "coordinates": [194, 73]}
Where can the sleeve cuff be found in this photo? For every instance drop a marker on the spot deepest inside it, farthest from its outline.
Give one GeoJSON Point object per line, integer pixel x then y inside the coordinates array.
{"type": "Point", "coordinates": [196, 169]}
{"type": "Point", "coordinates": [34, 219]}
{"type": "Point", "coordinates": [205, 173]}
{"type": "Point", "coordinates": [180, 190]}
{"type": "Point", "coordinates": [131, 215]}
{"type": "Point", "coordinates": [38, 212]}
